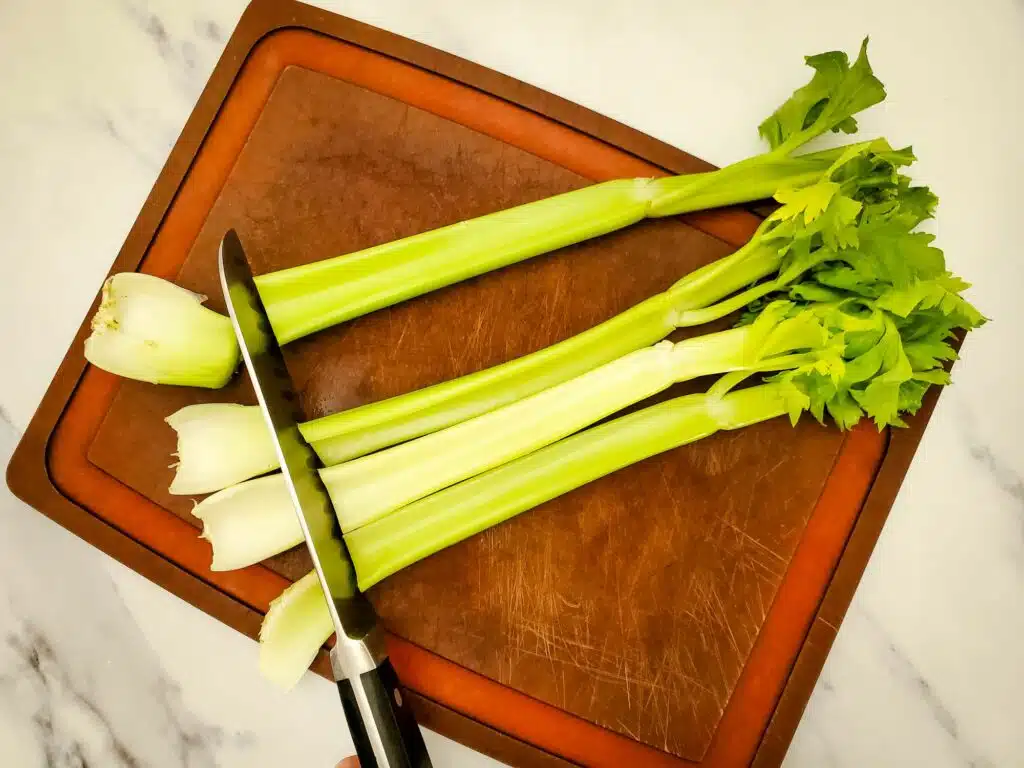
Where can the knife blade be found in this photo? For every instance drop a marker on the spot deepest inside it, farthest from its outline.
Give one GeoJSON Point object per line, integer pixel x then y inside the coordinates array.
{"type": "Point", "coordinates": [383, 727]}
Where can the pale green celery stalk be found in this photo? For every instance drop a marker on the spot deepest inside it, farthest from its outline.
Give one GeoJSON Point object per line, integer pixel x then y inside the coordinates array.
{"type": "Point", "coordinates": [370, 487]}
{"type": "Point", "coordinates": [309, 298]}
{"type": "Point", "coordinates": [359, 431]}
{"type": "Point", "coordinates": [451, 515]}
{"type": "Point", "coordinates": [293, 631]}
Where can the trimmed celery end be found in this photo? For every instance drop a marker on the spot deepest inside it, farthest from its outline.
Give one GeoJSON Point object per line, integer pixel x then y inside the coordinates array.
{"type": "Point", "coordinates": [219, 444]}
{"type": "Point", "coordinates": [293, 632]}
{"type": "Point", "coordinates": [152, 330]}
{"type": "Point", "coordinates": [249, 522]}
{"type": "Point", "coordinates": [449, 516]}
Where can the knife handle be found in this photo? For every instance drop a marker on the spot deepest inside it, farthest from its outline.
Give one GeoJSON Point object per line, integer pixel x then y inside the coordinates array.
{"type": "Point", "coordinates": [382, 723]}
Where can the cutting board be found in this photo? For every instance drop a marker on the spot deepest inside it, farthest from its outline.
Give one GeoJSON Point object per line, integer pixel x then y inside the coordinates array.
{"type": "Point", "coordinates": [675, 613]}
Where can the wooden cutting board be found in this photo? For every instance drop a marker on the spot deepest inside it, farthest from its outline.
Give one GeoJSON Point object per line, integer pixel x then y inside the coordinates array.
{"type": "Point", "coordinates": [674, 613]}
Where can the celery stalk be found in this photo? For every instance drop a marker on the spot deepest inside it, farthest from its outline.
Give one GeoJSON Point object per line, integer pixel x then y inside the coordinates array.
{"type": "Point", "coordinates": [451, 515]}
{"type": "Point", "coordinates": [311, 297]}
{"type": "Point", "coordinates": [172, 345]}
{"type": "Point", "coordinates": [359, 431]}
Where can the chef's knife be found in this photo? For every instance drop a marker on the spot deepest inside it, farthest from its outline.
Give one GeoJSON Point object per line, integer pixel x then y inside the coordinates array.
{"type": "Point", "coordinates": [383, 727]}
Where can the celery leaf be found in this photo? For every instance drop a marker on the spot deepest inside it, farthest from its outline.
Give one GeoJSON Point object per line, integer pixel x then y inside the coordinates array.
{"type": "Point", "coordinates": [836, 92]}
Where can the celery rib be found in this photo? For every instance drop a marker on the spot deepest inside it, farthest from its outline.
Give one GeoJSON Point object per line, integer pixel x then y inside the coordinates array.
{"type": "Point", "coordinates": [309, 298]}
{"type": "Point", "coordinates": [451, 515]}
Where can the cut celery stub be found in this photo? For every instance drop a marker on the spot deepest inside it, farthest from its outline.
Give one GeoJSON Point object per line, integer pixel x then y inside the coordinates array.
{"type": "Point", "coordinates": [293, 632]}
{"type": "Point", "coordinates": [219, 444]}
{"type": "Point", "coordinates": [249, 522]}
{"type": "Point", "coordinates": [152, 330]}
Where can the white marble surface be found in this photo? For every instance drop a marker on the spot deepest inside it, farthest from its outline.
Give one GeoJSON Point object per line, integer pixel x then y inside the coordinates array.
{"type": "Point", "coordinates": [99, 667]}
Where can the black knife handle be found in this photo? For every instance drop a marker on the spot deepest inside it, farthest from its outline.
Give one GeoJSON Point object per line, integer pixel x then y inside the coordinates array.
{"type": "Point", "coordinates": [390, 716]}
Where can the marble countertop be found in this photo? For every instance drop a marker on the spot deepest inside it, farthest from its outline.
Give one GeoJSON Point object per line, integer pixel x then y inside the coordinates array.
{"type": "Point", "coordinates": [99, 667]}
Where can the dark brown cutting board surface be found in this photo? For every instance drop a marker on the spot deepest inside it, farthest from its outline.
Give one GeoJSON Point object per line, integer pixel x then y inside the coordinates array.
{"type": "Point", "coordinates": [659, 613]}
